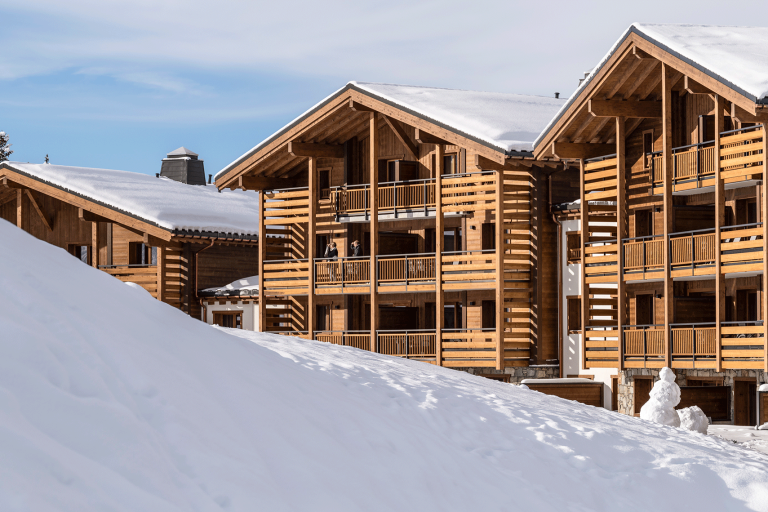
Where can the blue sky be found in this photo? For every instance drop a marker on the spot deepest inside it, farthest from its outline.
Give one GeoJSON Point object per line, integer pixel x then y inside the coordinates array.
{"type": "Point", "coordinates": [117, 84]}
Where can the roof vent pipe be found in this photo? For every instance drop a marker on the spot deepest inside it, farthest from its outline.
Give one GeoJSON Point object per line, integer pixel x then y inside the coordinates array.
{"type": "Point", "coordinates": [210, 177]}
{"type": "Point", "coordinates": [557, 95]}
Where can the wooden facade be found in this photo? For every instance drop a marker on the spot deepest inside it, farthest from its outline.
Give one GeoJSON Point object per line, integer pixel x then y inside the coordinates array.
{"type": "Point", "coordinates": [672, 209]}
{"type": "Point", "coordinates": [456, 240]}
{"type": "Point", "coordinates": [170, 265]}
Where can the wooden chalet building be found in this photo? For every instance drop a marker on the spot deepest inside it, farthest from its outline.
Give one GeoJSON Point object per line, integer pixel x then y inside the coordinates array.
{"type": "Point", "coordinates": [663, 243]}
{"type": "Point", "coordinates": [449, 207]}
{"type": "Point", "coordinates": [172, 234]}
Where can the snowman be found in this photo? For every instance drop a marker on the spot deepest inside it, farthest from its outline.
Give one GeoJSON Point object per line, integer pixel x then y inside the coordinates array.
{"type": "Point", "coordinates": [665, 395]}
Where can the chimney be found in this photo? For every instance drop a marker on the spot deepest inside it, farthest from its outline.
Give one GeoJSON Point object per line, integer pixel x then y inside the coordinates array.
{"type": "Point", "coordinates": [557, 95]}
{"type": "Point", "coordinates": [586, 74]}
{"type": "Point", "coordinates": [182, 165]}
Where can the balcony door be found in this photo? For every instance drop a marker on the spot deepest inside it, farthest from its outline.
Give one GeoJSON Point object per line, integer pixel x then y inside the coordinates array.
{"type": "Point", "coordinates": [644, 309]}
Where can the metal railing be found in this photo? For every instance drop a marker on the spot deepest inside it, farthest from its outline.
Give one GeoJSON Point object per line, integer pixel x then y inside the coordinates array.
{"type": "Point", "coordinates": [644, 341]}
{"type": "Point", "coordinates": [694, 340]}
{"type": "Point", "coordinates": [349, 271]}
{"type": "Point", "coordinates": [393, 195]}
{"type": "Point", "coordinates": [643, 252]}
{"type": "Point", "coordinates": [692, 248]}
{"type": "Point", "coordinates": [405, 269]}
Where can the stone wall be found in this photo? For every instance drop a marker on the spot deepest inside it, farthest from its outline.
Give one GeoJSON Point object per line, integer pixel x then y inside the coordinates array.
{"type": "Point", "coordinates": [627, 382]}
{"type": "Point", "coordinates": [517, 374]}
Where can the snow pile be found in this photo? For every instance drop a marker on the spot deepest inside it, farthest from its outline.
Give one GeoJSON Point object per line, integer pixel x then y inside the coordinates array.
{"type": "Point", "coordinates": [693, 419]}
{"type": "Point", "coordinates": [111, 400]}
{"type": "Point", "coordinates": [161, 201]}
{"type": "Point", "coordinates": [665, 395]}
{"type": "Point", "coordinates": [246, 284]}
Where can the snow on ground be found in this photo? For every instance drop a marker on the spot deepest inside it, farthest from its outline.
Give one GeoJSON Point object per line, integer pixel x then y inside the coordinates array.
{"type": "Point", "coordinates": [745, 436]}
{"type": "Point", "coordinates": [110, 400]}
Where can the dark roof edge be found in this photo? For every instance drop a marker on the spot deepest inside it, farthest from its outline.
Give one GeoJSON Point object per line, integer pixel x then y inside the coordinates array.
{"type": "Point", "coordinates": [8, 165]}
{"type": "Point", "coordinates": [349, 86]}
{"type": "Point", "coordinates": [596, 71]}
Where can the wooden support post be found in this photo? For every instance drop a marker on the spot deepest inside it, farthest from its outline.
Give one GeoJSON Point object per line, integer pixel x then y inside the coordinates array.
{"type": "Point", "coordinates": [20, 208]}
{"type": "Point", "coordinates": [500, 270]}
{"type": "Point", "coordinates": [584, 214]}
{"type": "Point", "coordinates": [764, 219]}
{"type": "Point", "coordinates": [262, 255]}
{"type": "Point", "coordinates": [314, 197]}
{"type": "Point", "coordinates": [95, 244]}
{"type": "Point", "coordinates": [620, 231]}
{"type": "Point", "coordinates": [373, 164]}
{"type": "Point", "coordinates": [161, 274]}
{"type": "Point", "coordinates": [719, 222]}
{"type": "Point", "coordinates": [439, 240]}
{"type": "Point", "coordinates": [667, 74]}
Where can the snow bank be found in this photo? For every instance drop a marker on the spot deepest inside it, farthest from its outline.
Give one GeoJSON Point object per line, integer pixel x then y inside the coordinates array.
{"type": "Point", "coordinates": [693, 418]}
{"type": "Point", "coordinates": [167, 203]}
{"type": "Point", "coordinates": [112, 401]}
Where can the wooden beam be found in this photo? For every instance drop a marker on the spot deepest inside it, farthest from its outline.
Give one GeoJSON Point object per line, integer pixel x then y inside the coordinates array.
{"type": "Point", "coordinates": [359, 107]}
{"type": "Point", "coordinates": [693, 87]}
{"type": "Point", "coordinates": [262, 255]}
{"type": "Point", "coordinates": [263, 183]}
{"type": "Point", "coordinates": [315, 150]}
{"type": "Point", "coordinates": [625, 75]}
{"type": "Point", "coordinates": [424, 138]}
{"type": "Point", "coordinates": [373, 169]}
{"type": "Point", "coordinates": [621, 206]}
{"type": "Point", "coordinates": [402, 136]}
{"type": "Point", "coordinates": [607, 108]}
{"type": "Point", "coordinates": [86, 216]}
{"type": "Point", "coordinates": [666, 129]}
{"type": "Point", "coordinates": [640, 80]}
{"type": "Point", "coordinates": [161, 276]}
{"type": "Point", "coordinates": [743, 116]}
{"type": "Point", "coordinates": [153, 241]}
{"type": "Point", "coordinates": [720, 289]}
{"type": "Point", "coordinates": [314, 197]}
{"type": "Point", "coordinates": [764, 219]}
{"type": "Point", "coordinates": [11, 196]}
{"type": "Point", "coordinates": [578, 151]}
{"type": "Point", "coordinates": [640, 54]}
{"type": "Point", "coordinates": [499, 235]}
{"type": "Point", "coordinates": [486, 164]}
{"type": "Point", "coordinates": [439, 239]}
{"type": "Point", "coordinates": [43, 217]}
{"type": "Point", "coordinates": [7, 183]}
{"type": "Point", "coordinates": [584, 226]}
{"type": "Point", "coordinates": [19, 208]}
{"type": "Point", "coordinates": [95, 244]}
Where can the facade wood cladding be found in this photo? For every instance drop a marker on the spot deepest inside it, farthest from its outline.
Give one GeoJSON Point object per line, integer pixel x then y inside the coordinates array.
{"type": "Point", "coordinates": [447, 307]}
{"type": "Point", "coordinates": [170, 277]}
{"type": "Point", "coordinates": [688, 206]}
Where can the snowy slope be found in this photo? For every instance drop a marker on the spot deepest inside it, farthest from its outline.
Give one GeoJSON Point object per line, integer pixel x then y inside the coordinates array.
{"type": "Point", "coordinates": [165, 202]}
{"type": "Point", "coordinates": [110, 400]}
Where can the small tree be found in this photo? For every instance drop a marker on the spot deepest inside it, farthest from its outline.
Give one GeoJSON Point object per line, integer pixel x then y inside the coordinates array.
{"type": "Point", "coordinates": [5, 148]}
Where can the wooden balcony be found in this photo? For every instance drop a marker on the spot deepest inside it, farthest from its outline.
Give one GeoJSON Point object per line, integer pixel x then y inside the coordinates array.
{"type": "Point", "coordinates": [741, 162]}
{"type": "Point", "coordinates": [356, 339]}
{"type": "Point", "coordinates": [743, 345]}
{"type": "Point", "coordinates": [464, 348]}
{"type": "Point", "coordinates": [741, 248]}
{"type": "Point", "coordinates": [409, 344]}
{"type": "Point", "coordinates": [286, 277]}
{"type": "Point", "coordinates": [343, 275]}
{"type": "Point", "coordinates": [145, 276]}
{"type": "Point", "coordinates": [644, 258]}
{"type": "Point", "coordinates": [601, 261]}
{"type": "Point", "coordinates": [694, 345]}
{"type": "Point", "coordinates": [406, 273]}
{"type": "Point", "coordinates": [692, 253]}
{"type": "Point", "coordinates": [469, 270]}
{"type": "Point", "coordinates": [644, 346]}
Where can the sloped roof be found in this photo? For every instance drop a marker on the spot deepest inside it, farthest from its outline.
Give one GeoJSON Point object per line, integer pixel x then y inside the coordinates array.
{"type": "Point", "coordinates": [160, 201]}
{"type": "Point", "coordinates": [504, 121]}
{"type": "Point", "coordinates": [182, 151]}
{"type": "Point", "coordinates": [735, 56]}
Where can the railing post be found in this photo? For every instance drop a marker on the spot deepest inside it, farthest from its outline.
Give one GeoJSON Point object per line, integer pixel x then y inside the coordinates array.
{"type": "Point", "coordinates": [406, 272]}
{"type": "Point", "coordinates": [407, 344]}
{"type": "Point", "coordinates": [394, 199]}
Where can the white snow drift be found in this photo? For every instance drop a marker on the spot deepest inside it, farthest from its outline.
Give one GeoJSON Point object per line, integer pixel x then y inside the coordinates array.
{"type": "Point", "coordinates": [110, 400]}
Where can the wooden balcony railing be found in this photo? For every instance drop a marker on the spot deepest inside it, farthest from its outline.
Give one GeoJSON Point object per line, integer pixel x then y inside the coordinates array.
{"type": "Point", "coordinates": [286, 277]}
{"type": "Point", "coordinates": [406, 272]}
{"type": "Point", "coordinates": [357, 339]}
{"type": "Point", "coordinates": [469, 270]}
{"type": "Point", "coordinates": [656, 166]}
{"type": "Point", "coordinates": [397, 195]}
{"type": "Point", "coordinates": [143, 275]}
{"type": "Point", "coordinates": [694, 343]}
{"type": "Point", "coordinates": [600, 260]}
{"type": "Point", "coordinates": [741, 153]}
{"type": "Point", "coordinates": [342, 272]}
{"type": "Point", "coordinates": [693, 162]}
{"type": "Point", "coordinates": [741, 248]}
{"type": "Point", "coordinates": [743, 344]}
{"type": "Point", "coordinates": [418, 343]}
{"type": "Point", "coordinates": [643, 255]}
{"type": "Point", "coordinates": [472, 348]}
{"type": "Point", "coordinates": [644, 346]}
{"type": "Point", "coordinates": [692, 253]}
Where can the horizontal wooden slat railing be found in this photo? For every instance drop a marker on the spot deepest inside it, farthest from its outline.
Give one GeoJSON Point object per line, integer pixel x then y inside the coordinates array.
{"type": "Point", "coordinates": [743, 345]}
{"type": "Point", "coordinates": [417, 343]}
{"type": "Point", "coordinates": [741, 248]}
{"type": "Point", "coordinates": [406, 272]}
{"type": "Point", "coordinates": [145, 276]}
{"type": "Point", "coordinates": [643, 255]}
{"type": "Point", "coordinates": [644, 346]}
{"type": "Point", "coordinates": [286, 277]}
{"type": "Point", "coordinates": [471, 192]}
{"type": "Point", "coordinates": [694, 345]}
{"type": "Point", "coordinates": [469, 270]}
{"type": "Point", "coordinates": [342, 272]}
{"type": "Point", "coordinates": [286, 206]}
{"type": "Point", "coordinates": [465, 348]}
{"type": "Point", "coordinates": [741, 153]}
{"type": "Point", "coordinates": [393, 196]}
{"type": "Point", "coordinates": [356, 339]}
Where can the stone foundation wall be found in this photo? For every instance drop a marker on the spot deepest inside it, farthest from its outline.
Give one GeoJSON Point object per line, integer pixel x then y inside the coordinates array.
{"type": "Point", "coordinates": [517, 374]}
{"type": "Point", "coordinates": [627, 382]}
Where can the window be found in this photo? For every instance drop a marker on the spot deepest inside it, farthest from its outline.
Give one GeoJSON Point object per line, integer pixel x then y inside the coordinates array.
{"type": "Point", "coordinates": [573, 246]}
{"type": "Point", "coordinates": [81, 252]}
{"type": "Point", "coordinates": [324, 183]}
{"type": "Point", "coordinates": [574, 314]}
{"type": "Point", "coordinates": [489, 314]}
{"type": "Point", "coordinates": [489, 236]}
{"type": "Point", "coordinates": [449, 164]}
{"type": "Point", "coordinates": [644, 223]}
{"type": "Point", "coordinates": [231, 319]}
{"type": "Point", "coordinates": [323, 318]}
{"type": "Point", "coordinates": [647, 149]}
{"type": "Point", "coordinates": [141, 254]}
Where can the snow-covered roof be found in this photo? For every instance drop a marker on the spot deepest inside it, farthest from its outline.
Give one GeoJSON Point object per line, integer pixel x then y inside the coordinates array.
{"type": "Point", "coordinates": [160, 201]}
{"type": "Point", "coordinates": [245, 286]}
{"type": "Point", "coordinates": [505, 121]}
{"type": "Point", "coordinates": [735, 56]}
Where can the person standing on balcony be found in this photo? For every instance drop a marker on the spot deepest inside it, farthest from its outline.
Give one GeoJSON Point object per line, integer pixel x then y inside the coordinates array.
{"type": "Point", "coordinates": [357, 250]}
{"type": "Point", "coordinates": [332, 254]}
